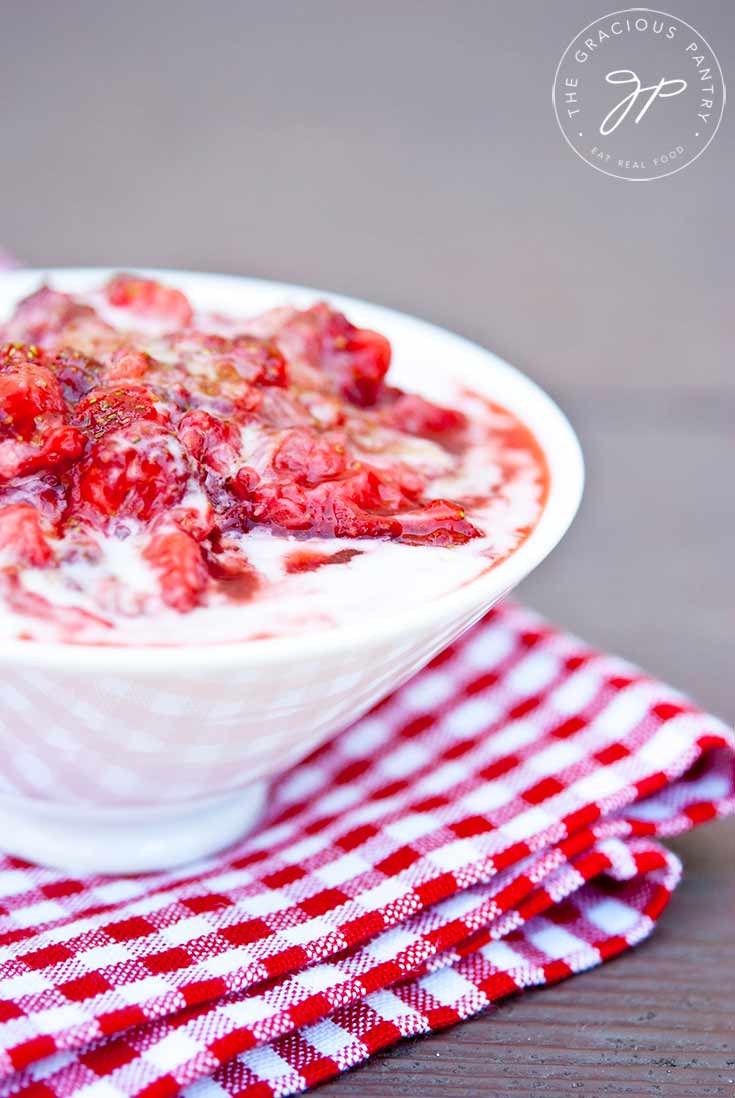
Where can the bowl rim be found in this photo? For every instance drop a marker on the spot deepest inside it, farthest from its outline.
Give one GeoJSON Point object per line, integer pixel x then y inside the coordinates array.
{"type": "Point", "coordinates": [566, 483]}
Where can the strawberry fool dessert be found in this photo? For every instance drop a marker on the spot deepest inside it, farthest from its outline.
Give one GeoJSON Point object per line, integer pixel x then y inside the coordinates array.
{"type": "Point", "coordinates": [172, 477]}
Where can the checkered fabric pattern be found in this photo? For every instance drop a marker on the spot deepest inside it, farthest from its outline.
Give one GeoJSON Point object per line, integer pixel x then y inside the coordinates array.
{"type": "Point", "coordinates": [489, 827]}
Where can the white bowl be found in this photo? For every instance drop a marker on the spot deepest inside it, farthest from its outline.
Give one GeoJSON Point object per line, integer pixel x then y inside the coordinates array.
{"type": "Point", "coordinates": [118, 760]}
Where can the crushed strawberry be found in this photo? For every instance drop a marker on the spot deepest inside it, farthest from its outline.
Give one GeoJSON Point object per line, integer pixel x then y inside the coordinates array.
{"type": "Point", "coordinates": [128, 363]}
{"type": "Point", "coordinates": [28, 390]}
{"type": "Point", "coordinates": [438, 523]}
{"type": "Point", "coordinates": [177, 560]}
{"type": "Point", "coordinates": [356, 358]}
{"type": "Point", "coordinates": [244, 483]}
{"type": "Point", "coordinates": [44, 316]}
{"type": "Point", "coordinates": [77, 373]}
{"type": "Point", "coordinates": [364, 360]}
{"type": "Point", "coordinates": [22, 537]}
{"type": "Point", "coordinates": [412, 413]}
{"type": "Point", "coordinates": [134, 472]}
{"type": "Point", "coordinates": [259, 361]}
{"type": "Point", "coordinates": [309, 459]}
{"type": "Point", "coordinates": [145, 297]}
{"type": "Point", "coordinates": [107, 409]}
{"type": "Point", "coordinates": [212, 441]}
{"type": "Point", "coordinates": [34, 432]}
{"type": "Point", "coordinates": [367, 502]}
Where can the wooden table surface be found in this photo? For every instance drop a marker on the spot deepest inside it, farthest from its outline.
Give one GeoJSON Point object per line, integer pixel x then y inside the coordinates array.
{"type": "Point", "coordinates": [408, 153]}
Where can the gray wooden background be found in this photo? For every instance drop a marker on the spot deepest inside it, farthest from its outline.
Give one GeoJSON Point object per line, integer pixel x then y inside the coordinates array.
{"type": "Point", "coordinates": [407, 152]}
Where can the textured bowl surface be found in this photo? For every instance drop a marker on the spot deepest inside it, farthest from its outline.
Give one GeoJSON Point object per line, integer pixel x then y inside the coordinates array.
{"type": "Point", "coordinates": [126, 759]}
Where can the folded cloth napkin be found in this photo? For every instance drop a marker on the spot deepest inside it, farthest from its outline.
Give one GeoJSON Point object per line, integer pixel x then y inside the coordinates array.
{"type": "Point", "coordinates": [487, 828]}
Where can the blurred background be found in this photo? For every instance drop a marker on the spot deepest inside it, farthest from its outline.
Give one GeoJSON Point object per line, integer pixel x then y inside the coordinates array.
{"type": "Point", "coordinates": [407, 152]}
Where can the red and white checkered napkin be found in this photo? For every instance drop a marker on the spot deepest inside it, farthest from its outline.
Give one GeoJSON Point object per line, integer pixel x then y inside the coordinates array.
{"type": "Point", "coordinates": [488, 828]}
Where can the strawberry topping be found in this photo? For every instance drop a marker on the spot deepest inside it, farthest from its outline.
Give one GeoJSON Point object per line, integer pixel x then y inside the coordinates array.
{"type": "Point", "coordinates": [188, 437]}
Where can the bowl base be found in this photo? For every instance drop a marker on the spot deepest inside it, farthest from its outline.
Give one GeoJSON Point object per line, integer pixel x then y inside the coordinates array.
{"type": "Point", "coordinates": [136, 839]}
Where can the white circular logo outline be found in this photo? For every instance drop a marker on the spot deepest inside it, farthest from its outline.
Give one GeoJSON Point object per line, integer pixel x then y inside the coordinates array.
{"type": "Point", "coordinates": [629, 178]}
